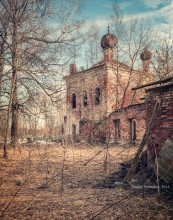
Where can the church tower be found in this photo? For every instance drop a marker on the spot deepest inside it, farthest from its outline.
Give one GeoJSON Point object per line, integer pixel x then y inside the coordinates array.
{"type": "Point", "coordinates": [92, 93]}
{"type": "Point", "coordinates": [146, 57]}
{"type": "Point", "coordinates": [108, 42]}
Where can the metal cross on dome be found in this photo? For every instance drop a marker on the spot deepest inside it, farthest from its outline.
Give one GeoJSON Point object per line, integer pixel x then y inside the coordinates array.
{"type": "Point", "coordinates": [108, 28]}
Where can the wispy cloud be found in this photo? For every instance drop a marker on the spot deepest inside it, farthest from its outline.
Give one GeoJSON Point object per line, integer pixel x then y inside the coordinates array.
{"type": "Point", "coordinates": [159, 12]}
{"type": "Point", "coordinates": [164, 13]}
{"type": "Point", "coordinates": [153, 4]}
{"type": "Point", "coordinates": [101, 23]}
{"type": "Point", "coordinates": [141, 15]}
{"type": "Point", "coordinates": [160, 15]}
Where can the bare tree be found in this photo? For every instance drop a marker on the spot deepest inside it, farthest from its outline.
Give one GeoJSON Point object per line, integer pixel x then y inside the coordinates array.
{"type": "Point", "coordinates": [94, 53]}
{"type": "Point", "coordinates": [133, 36]}
{"type": "Point", "coordinates": [37, 51]}
{"type": "Point", "coordinates": [163, 59]}
{"type": "Point", "coordinates": [4, 24]}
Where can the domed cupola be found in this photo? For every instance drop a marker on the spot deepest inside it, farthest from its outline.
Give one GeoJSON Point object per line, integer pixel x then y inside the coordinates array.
{"type": "Point", "coordinates": [108, 42]}
{"type": "Point", "coordinates": [146, 55]}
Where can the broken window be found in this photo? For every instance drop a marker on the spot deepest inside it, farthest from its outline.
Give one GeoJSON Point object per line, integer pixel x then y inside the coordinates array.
{"type": "Point", "coordinates": [85, 99]}
{"type": "Point", "coordinates": [74, 131]}
{"type": "Point", "coordinates": [97, 96]}
{"type": "Point", "coordinates": [117, 128]}
{"type": "Point", "coordinates": [74, 100]}
{"type": "Point", "coordinates": [82, 124]}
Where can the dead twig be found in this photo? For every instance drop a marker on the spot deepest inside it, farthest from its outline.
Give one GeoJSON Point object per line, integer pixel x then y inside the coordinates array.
{"type": "Point", "coordinates": [106, 207]}
{"type": "Point", "coordinates": [95, 156]}
{"type": "Point", "coordinates": [16, 193]}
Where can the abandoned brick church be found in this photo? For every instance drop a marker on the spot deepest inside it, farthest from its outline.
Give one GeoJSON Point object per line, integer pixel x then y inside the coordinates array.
{"type": "Point", "coordinates": [100, 103]}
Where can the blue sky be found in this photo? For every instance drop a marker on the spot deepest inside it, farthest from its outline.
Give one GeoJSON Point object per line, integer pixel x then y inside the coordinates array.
{"type": "Point", "coordinates": [160, 12]}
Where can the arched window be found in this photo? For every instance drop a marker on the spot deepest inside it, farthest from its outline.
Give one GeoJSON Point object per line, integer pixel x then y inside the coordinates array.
{"type": "Point", "coordinates": [85, 99]}
{"type": "Point", "coordinates": [73, 100]}
{"type": "Point", "coordinates": [82, 124]}
{"type": "Point", "coordinates": [133, 131]}
{"type": "Point", "coordinates": [97, 96]}
{"type": "Point", "coordinates": [117, 128]}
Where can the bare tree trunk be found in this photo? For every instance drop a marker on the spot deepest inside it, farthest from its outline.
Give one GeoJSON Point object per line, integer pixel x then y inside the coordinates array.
{"type": "Point", "coordinates": [126, 89]}
{"type": "Point", "coordinates": [13, 84]}
{"type": "Point", "coordinates": [117, 80]}
{"type": "Point", "coordinates": [14, 119]}
{"type": "Point", "coordinates": [2, 55]}
{"type": "Point", "coordinates": [29, 56]}
{"type": "Point", "coordinates": [14, 104]}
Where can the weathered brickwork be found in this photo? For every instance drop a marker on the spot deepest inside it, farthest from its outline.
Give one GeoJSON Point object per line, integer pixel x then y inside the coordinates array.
{"type": "Point", "coordinates": [163, 125]}
{"type": "Point", "coordinates": [94, 94]}
{"type": "Point", "coordinates": [128, 124]}
{"type": "Point", "coordinates": [103, 77]}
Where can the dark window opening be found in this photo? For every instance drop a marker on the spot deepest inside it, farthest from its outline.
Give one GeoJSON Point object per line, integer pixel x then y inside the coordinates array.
{"type": "Point", "coordinates": [132, 131]}
{"type": "Point", "coordinates": [82, 124]}
{"type": "Point", "coordinates": [62, 129]}
{"type": "Point", "coordinates": [74, 131]}
{"type": "Point", "coordinates": [74, 100]}
{"type": "Point", "coordinates": [85, 99]}
{"type": "Point", "coordinates": [65, 119]}
{"type": "Point", "coordinates": [117, 128]}
{"type": "Point", "coordinates": [97, 96]}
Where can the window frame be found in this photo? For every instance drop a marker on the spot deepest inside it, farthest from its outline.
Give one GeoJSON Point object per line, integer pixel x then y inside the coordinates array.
{"type": "Point", "coordinates": [85, 99]}
{"type": "Point", "coordinates": [97, 96]}
{"type": "Point", "coordinates": [74, 104]}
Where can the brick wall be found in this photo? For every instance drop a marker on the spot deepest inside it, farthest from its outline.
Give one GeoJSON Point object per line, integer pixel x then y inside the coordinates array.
{"type": "Point", "coordinates": [126, 117]}
{"type": "Point", "coordinates": [163, 125]}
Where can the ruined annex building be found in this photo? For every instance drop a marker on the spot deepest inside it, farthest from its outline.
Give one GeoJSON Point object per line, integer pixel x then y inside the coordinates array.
{"type": "Point", "coordinates": [100, 105]}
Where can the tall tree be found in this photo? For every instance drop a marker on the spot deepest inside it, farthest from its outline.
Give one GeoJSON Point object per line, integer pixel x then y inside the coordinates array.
{"type": "Point", "coordinates": [39, 38]}
{"type": "Point", "coordinates": [92, 43]}
{"type": "Point", "coordinates": [163, 58]}
{"type": "Point", "coordinates": [133, 36]}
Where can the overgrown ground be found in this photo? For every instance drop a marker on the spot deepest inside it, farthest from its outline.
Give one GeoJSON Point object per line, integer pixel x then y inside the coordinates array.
{"type": "Point", "coordinates": [55, 182]}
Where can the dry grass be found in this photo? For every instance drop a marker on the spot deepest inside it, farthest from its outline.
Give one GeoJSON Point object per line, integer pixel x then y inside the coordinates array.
{"type": "Point", "coordinates": [55, 182]}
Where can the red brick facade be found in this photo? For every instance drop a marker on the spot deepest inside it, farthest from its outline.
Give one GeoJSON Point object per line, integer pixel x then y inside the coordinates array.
{"type": "Point", "coordinates": [128, 124]}
{"type": "Point", "coordinates": [163, 125]}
